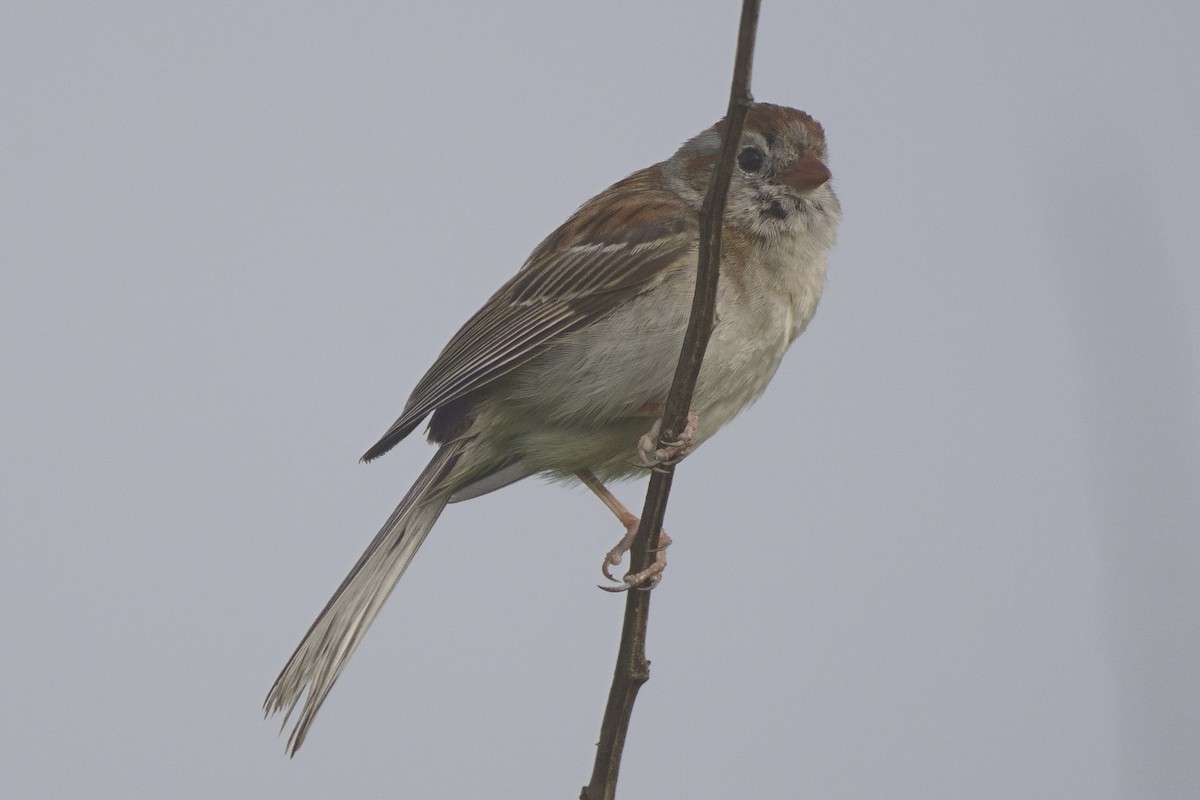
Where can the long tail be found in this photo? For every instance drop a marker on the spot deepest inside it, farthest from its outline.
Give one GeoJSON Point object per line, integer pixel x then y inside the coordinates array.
{"type": "Point", "coordinates": [331, 640]}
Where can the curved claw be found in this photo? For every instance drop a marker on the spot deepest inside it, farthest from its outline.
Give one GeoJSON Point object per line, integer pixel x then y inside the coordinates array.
{"type": "Point", "coordinates": [666, 461]}
{"type": "Point", "coordinates": [647, 584]}
{"type": "Point", "coordinates": [647, 447]}
{"type": "Point", "coordinates": [613, 557]}
{"type": "Point", "coordinates": [643, 581]}
{"type": "Point", "coordinates": [650, 455]}
{"type": "Point", "coordinates": [609, 562]}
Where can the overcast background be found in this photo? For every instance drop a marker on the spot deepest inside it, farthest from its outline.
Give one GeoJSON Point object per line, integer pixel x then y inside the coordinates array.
{"type": "Point", "coordinates": [952, 553]}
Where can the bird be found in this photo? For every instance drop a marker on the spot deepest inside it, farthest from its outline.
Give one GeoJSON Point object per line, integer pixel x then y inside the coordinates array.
{"type": "Point", "coordinates": [564, 367]}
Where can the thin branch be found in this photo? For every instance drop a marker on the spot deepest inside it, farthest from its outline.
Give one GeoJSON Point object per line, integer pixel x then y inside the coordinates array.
{"type": "Point", "coordinates": [633, 669]}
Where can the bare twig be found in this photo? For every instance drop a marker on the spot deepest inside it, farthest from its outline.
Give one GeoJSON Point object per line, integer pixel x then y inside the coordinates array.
{"type": "Point", "coordinates": [633, 669]}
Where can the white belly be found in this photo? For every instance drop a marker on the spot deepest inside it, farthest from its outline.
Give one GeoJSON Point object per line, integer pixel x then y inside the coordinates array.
{"type": "Point", "coordinates": [581, 403]}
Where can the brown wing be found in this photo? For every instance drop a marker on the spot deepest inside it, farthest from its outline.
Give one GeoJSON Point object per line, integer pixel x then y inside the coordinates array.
{"type": "Point", "coordinates": [610, 250]}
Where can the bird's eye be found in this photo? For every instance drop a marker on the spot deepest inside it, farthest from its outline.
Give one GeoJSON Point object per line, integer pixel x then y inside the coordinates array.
{"type": "Point", "coordinates": [751, 159]}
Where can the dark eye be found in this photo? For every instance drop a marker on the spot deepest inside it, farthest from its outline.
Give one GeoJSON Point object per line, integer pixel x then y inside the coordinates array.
{"type": "Point", "coordinates": [751, 159]}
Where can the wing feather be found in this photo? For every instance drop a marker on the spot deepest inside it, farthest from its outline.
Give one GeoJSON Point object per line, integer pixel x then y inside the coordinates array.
{"type": "Point", "coordinates": [578, 275]}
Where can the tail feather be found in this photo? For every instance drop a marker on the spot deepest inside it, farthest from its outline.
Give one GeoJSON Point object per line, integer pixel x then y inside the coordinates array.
{"type": "Point", "coordinates": [335, 634]}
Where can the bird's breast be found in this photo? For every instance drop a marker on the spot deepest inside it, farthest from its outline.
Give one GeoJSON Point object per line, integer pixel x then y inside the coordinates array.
{"type": "Point", "coordinates": [760, 312]}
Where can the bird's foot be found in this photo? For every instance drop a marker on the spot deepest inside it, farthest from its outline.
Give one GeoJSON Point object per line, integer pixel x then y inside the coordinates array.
{"type": "Point", "coordinates": [645, 579]}
{"type": "Point", "coordinates": [650, 455]}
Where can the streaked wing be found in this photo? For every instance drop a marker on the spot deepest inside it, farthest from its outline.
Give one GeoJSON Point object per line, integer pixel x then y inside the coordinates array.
{"type": "Point", "coordinates": [610, 250]}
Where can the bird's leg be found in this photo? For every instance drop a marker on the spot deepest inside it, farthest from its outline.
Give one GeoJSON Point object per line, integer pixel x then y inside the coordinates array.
{"type": "Point", "coordinates": [649, 454]}
{"type": "Point", "coordinates": [651, 575]}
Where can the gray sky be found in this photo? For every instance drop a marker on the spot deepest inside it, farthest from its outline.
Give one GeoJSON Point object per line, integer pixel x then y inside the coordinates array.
{"type": "Point", "coordinates": [952, 553]}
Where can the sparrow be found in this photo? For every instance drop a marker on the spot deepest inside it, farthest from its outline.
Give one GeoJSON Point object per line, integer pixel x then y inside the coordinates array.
{"type": "Point", "coordinates": [562, 370]}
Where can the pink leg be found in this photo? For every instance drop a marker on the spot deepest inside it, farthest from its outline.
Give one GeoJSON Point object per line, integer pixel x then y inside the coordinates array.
{"type": "Point", "coordinates": [647, 578]}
